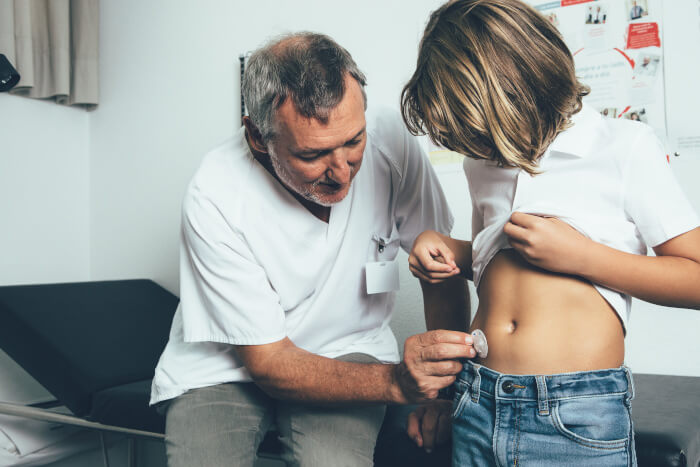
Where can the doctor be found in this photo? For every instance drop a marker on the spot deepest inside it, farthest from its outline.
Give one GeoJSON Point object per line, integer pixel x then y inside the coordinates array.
{"type": "Point", "coordinates": [289, 236]}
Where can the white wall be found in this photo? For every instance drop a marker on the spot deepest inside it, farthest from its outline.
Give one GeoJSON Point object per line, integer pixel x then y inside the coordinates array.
{"type": "Point", "coordinates": [167, 95]}
{"type": "Point", "coordinates": [44, 168]}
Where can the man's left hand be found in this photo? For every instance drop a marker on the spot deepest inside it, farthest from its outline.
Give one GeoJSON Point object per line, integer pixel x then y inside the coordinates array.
{"type": "Point", "coordinates": [431, 424]}
{"type": "Point", "coordinates": [547, 242]}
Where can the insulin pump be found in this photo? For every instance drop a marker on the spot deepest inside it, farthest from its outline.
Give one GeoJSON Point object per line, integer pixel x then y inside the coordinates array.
{"type": "Point", "coordinates": [480, 344]}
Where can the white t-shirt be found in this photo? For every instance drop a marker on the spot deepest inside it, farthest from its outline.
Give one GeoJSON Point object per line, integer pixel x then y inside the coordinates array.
{"type": "Point", "coordinates": [256, 266]}
{"type": "Point", "coordinates": [608, 178]}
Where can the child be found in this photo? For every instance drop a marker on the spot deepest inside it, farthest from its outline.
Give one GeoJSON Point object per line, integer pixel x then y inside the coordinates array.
{"type": "Point", "coordinates": [564, 204]}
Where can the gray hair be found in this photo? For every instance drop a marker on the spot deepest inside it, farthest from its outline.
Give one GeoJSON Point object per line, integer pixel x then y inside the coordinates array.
{"type": "Point", "coordinates": [307, 67]}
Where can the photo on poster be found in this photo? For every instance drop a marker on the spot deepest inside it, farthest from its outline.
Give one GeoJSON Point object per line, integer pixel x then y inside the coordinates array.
{"type": "Point", "coordinates": [646, 66]}
{"type": "Point", "coordinates": [609, 112]}
{"type": "Point", "coordinates": [639, 114]}
{"type": "Point", "coordinates": [596, 13]}
{"type": "Point", "coordinates": [596, 33]}
{"type": "Point", "coordinates": [646, 69]}
{"type": "Point", "coordinates": [637, 9]}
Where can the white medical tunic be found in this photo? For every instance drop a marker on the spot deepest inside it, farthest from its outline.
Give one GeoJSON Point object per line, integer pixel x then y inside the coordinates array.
{"type": "Point", "coordinates": [256, 266]}
{"type": "Point", "coordinates": [608, 178]}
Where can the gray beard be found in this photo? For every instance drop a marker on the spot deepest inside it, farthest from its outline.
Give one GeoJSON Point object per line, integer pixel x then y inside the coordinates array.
{"type": "Point", "coordinates": [284, 177]}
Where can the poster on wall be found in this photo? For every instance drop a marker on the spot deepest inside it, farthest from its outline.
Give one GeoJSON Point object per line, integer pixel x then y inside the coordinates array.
{"type": "Point", "coordinates": [618, 52]}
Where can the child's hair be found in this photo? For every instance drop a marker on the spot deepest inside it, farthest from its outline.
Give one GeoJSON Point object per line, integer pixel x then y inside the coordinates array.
{"type": "Point", "coordinates": [494, 81]}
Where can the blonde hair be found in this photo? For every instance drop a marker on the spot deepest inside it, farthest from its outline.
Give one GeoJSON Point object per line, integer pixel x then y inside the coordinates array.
{"type": "Point", "coordinates": [494, 81]}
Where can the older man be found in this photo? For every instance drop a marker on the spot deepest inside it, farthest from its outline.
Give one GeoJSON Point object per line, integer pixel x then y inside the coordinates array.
{"type": "Point", "coordinates": [289, 236]}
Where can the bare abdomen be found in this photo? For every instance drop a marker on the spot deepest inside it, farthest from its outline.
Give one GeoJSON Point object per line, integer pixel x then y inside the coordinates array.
{"type": "Point", "coordinates": [538, 322]}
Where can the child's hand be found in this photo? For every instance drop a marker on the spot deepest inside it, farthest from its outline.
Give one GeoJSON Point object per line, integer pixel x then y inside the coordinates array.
{"type": "Point", "coordinates": [547, 242]}
{"type": "Point", "coordinates": [431, 260]}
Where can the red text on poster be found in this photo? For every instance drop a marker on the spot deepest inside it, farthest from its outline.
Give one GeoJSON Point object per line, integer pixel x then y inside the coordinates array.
{"type": "Point", "coordinates": [640, 35]}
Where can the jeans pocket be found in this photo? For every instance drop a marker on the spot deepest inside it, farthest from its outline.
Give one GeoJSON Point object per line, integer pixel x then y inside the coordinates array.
{"type": "Point", "coordinates": [596, 422]}
{"type": "Point", "coordinates": [461, 397]}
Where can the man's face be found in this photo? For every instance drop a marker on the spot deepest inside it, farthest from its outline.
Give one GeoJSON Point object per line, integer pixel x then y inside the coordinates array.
{"type": "Point", "coordinates": [316, 160]}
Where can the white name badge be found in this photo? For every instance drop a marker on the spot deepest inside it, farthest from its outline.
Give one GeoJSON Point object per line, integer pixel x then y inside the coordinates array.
{"type": "Point", "coordinates": [382, 277]}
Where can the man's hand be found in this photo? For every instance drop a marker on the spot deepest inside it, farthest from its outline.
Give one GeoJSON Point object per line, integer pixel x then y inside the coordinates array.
{"type": "Point", "coordinates": [547, 242]}
{"type": "Point", "coordinates": [430, 363]}
{"type": "Point", "coordinates": [430, 424]}
{"type": "Point", "coordinates": [431, 260]}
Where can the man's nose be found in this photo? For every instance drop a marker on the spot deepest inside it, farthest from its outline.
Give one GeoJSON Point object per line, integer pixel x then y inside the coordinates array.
{"type": "Point", "coordinates": [339, 169]}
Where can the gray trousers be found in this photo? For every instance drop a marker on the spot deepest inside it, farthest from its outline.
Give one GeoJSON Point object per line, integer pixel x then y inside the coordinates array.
{"type": "Point", "coordinates": [223, 425]}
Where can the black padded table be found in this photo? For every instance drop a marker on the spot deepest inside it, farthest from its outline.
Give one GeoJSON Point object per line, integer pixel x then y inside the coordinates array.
{"type": "Point", "coordinates": [93, 345]}
{"type": "Point", "coordinates": [666, 415]}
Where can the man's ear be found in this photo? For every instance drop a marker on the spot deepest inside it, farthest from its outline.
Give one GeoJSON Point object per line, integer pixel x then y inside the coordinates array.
{"type": "Point", "coordinates": [255, 139]}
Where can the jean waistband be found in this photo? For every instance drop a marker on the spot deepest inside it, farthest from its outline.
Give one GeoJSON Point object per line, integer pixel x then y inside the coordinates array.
{"type": "Point", "coordinates": [477, 379]}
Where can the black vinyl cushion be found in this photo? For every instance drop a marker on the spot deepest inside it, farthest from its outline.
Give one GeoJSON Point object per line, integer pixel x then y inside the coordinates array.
{"type": "Point", "coordinates": [127, 406]}
{"type": "Point", "coordinates": [78, 339]}
{"type": "Point", "coordinates": [666, 414]}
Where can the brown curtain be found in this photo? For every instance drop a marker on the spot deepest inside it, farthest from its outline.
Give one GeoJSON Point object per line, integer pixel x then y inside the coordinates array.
{"type": "Point", "coordinates": [53, 44]}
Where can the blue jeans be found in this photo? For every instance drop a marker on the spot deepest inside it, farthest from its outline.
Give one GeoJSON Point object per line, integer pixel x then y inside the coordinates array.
{"type": "Point", "coordinates": [566, 419]}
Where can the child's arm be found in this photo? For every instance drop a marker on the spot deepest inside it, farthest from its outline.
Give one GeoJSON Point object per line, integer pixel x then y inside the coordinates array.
{"type": "Point", "coordinates": [672, 278]}
{"type": "Point", "coordinates": [436, 257]}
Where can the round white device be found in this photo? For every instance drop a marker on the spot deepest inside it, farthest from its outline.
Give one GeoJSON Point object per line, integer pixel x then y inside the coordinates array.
{"type": "Point", "coordinates": [480, 344]}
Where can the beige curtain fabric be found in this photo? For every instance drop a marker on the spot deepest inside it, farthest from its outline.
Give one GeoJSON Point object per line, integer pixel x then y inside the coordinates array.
{"type": "Point", "coordinates": [53, 44]}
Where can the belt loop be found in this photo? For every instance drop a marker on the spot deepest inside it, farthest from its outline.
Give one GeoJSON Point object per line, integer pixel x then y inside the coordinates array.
{"type": "Point", "coordinates": [630, 385]}
{"type": "Point", "coordinates": [476, 383]}
{"type": "Point", "coordinates": [542, 401]}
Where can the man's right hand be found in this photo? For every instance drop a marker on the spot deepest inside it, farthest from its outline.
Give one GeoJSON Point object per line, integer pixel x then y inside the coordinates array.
{"type": "Point", "coordinates": [430, 363]}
